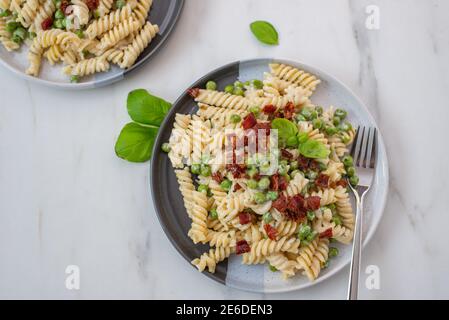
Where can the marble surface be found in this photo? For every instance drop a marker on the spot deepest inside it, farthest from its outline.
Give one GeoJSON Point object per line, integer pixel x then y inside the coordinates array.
{"type": "Point", "coordinates": [66, 199]}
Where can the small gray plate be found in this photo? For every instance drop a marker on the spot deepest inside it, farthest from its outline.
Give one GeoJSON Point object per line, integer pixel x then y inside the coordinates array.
{"type": "Point", "coordinates": [169, 202]}
{"type": "Point", "coordinates": [164, 13]}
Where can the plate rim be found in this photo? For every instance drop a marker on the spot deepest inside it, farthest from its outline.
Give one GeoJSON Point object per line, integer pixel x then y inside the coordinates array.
{"type": "Point", "coordinates": [307, 67]}
{"type": "Point", "coordinates": [106, 81]}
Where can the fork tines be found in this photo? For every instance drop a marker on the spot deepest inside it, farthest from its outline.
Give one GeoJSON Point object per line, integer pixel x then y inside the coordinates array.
{"type": "Point", "coordinates": [364, 149]}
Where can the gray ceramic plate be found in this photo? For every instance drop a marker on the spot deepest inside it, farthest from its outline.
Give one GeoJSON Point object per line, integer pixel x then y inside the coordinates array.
{"type": "Point", "coordinates": [169, 203]}
{"type": "Point", "coordinates": [164, 13]}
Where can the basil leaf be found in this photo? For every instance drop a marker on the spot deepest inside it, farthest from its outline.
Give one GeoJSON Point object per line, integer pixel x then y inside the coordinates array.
{"type": "Point", "coordinates": [264, 32]}
{"type": "Point", "coordinates": [146, 108]}
{"type": "Point", "coordinates": [286, 129]}
{"type": "Point", "coordinates": [313, 149]}
{"type": "Point", "coordinates": [135, 142]}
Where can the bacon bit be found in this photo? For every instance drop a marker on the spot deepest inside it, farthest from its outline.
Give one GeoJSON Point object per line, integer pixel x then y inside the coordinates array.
{"type": "Point", "coordinates": [237, 170]}
{"type": "Point", "coordinates": [286, 154]}
{"type": "Point", "coordinates": [237, 187]}
{"type": "Point", "coordinates": [193, 92]}
{"type": "Point", "coordinates": [271, 231]}
{"type": "Point", "coordinates": [280, 203]}
{"type": "Point", "coordinates": [278, 114]}
{"type": "Point", "coordinates": [47, 23]}
{"type": "Point", "coordinates": [63, 7]}
{"type": "Point", "coordinates": [217, 177]}
{"type": "Point", "coordinates": [249, 121]}
{"type": "Point", "coordinates": [303, 163]}
{"type": "Point", "coordinates": [92, 4]}
{"type": "Point", "coordinates": [282, 183]}
{"type": "Point", "coordinates": [274, 183]}
{"type": "Point", "coordinates": [342, 183]}
{"type": "Point", "coordinates": [289, 109]}
{"type": "Point", "coordinates": [322, 181]}
{"type": "Point", "coordinates": [296, 204]}
{"type": "Point", "coordinates": [245, 217]}
{"type": "Point", "coordinates": [313, 203]}
{"type": "Point", "coordinates": [263, 126]}
{"type": "Point", "coordinates": [326, 233]}
{"type": "Point", "coordinates": [269, 109]}
{"type": "Point", "coordinates": [242, 247]}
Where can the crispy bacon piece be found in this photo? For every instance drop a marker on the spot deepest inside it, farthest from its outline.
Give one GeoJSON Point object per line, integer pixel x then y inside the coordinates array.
{"type": "Point", "coordinates": [249, 121]}
{"type": "Point", "coordinates": [237, 170]}
{"type": "Point", "coordinates": [289, 109]}
{"type": "Point", "coordinates": [342, 183]}
{"type": "Point", "coordinates": [286, 154]}
{"type": "Point", "coordinates": [242, 247]}
{"type": "Point", "coordinates": [313, 203]}
{"type": "Point", "coordinates": [47, 23]}
{"type": "Point", "coordinates": [63, 7]}
{"type": "Point", "coordinates": [245, 217]}
{"type": "Point", "coordinates": [193, 92]}
{"type": "Point", "coordinates": [296, 204]}
{"type": "Point", "coordinates": [303, 163]}
{"type": "Point", "coordinates": [326, 233]}
{"type": "Point", "coordinates": [322, 181]}
{"type": "Point", "coordinates": [274, 182]}
{"type": "Point", "coordinates": [269, 109]}
{"type": "Point", "coordinates": [92, 4]}
{"type": "Point", "coordinates": [314, 165]}
{"type": "Point", "coordinates": [237, 187]}
{"type": "Point", "coordinates": [217, 177]}
{"type": "Point", "coordinates": [282, 183]}
{"type": "Point", "coordinates": [263, 126]}
{"type": "Point", "coordinates": [271, 231]}
{"type": "Point", "coordinates": [280, 203]}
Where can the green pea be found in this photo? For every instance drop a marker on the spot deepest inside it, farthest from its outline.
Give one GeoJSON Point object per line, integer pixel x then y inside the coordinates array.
{"type": "Point", "coordinates": [120, 4]}
{"type": "Point", "coordinates": [310, 215]}
{"type": "Point", "coordinates": [12, 26]}
{"type": "Point", "coordinates": [294, 165]}
{"type": "Point", "coordinates": [333, 252]}
{"type": "Point", "coordinates": [166, 147]}
{"type": "Point", "coordinates": [267, 217]}
{"type": "Point", "coordinates": [5, 13]}
{"type": "Point", "coordinates": [64, 23]}
{"type": "Point", "coordinates": [348, 161]}
{"type": "Point", "coordinates": [294, 173]}
{"type": "Point", "coordinates": [332, 207]}
{"type": "Point", "coordinates": [311, 236]}
{"type": "Point", "coordinates": [337, 220]}
{"type": "Point", "coordinates": [292, 142]}
{"type": "Point", "coordinates": [302, 137]}
{"type": "Point", "coordinates": [32, 35]}
{"type": "Point", "coordinates": [322, 166]}
{"type": "Point", "coordinates": [350, 171]}
{"type": "Point", "coordinates": [58, 24]}
{"type": "Point", "coordinates": [17, 39]}
{"type": "Point", "coordinates": [226, 185]}
{"type": "Point", "coordinates": [205, 170]}
{"type": "Point", "coordinates": [331, 130]}
{"type": "Point", "coordinates": [258, 84]}
{"type": "Point", "coordinates": [345, 138]}
{"type": "Point", "coordinates": [264, 183]}
{"type": "Point", "coordinates": [252, 184]}
{"type": "Point", "coordinates": [317, 123]}
{"type": "Point", "coordinates": [57, 3]}
{"type": "Point", "coordinates": [235, 118]}
{"type": "Point", "coordinates": [354, 180]}
{"type": "Point", "coordinates": [332, 240]}
{"type": "Point", "coordinates": [306, 113]}
{"type": "Point", "coordinates": [203, 188]}
{"type": "Point", "coordinates": [283, 163]}
{"type": "Point", "coordinates": [336, 121]}
{"type": "Point", "coordinates": [283, 170]}
{"type": "Point", "coordinates": [300, 117]}
{"type": "Point", "coordinates": [311, 175]}
{"type": "Point", "coordinates": [252, 172]}
{"type": "Point", "coordinates": [211, 85]}
{"type": "Point", "coordinates": [341, 113]}
{"type": "Point", "coordinates": [20, 33]}
{"type": "Point", "coordinates": [313, 114]}
{"type": "Point", "coordinates": [272, 195]}
{"type": "Point", "coordinates": [273, 268]}
{"type": "Point", "coordinates": [247, 83]}
{"type": "Point", "coordinates": [238, 91]}
{"type": "Point", "coordinates": [238, 84]}
{"type": "Point", "coordinates": [195, 168]}
{"type": "Point", "coordinates": [74, 79]}
{"type": "Point", "coordinates": [345, 126]}
{"type": "Point", "coordinates": [213, 214]}
{"type": "Point", "coordinates": [80, 34]}
{"type": "Point", "coordinates": [229, 88]}
{"type": "Point", "coordinates": [59, 14]}
{"type": "Point", "coordinates": [260, 197]}
{"type": "Point", "coordinates": [304, 231]}
{"type": "Point", "coordinates": [97, 14]}
{"type": "Point", "coordinates": [255, 110]}
{"type": "Point", "coordinates": [319, 109]}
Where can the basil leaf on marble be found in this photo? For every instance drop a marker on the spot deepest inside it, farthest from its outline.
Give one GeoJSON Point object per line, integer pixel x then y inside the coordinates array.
{"type": "Point", "coordinates": [146, 108]}
{"type": "Point", "coordinates": [135, 142]}
{"type": "Point", "coordinates": [265, 32]}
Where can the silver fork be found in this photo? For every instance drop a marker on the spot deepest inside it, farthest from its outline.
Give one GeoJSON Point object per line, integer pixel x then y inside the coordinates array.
{"type": "Point", "coordinates": [363, 152]}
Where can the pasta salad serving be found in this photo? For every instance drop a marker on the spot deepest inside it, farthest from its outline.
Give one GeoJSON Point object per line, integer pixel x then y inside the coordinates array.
{"type": "Point", "coordinates": [85, 35]}
{"type": "Point", "coordinates": [264, 173]}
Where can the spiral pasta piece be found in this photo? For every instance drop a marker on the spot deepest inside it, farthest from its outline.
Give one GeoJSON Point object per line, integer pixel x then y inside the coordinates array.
{"type": "Point", "coordinates": [186, 187]}
{"type": "Point", "coordinates": [4, 4]}
{"type": "Point", "coordinates": [210, 259]}
{"type": "Point", "coordinates": [141, 10]}
{"type": "Point", "coordinates": [45, 11]}
{"type": "Point", "coordinates": [263, 248]}
{"type": "Point", "coordinates": [119, 32]}
{"type": "Point", "coordinates": [295, 76]}
{"type": "Point", "coordinates": [139, 44]}
{"type": "Point", "coordinates": [54, 54]}
{"type": "Point", "coordinates": [104, 7]}
{"type": "Point", "coordinates": [283, 264]}
{"type": "Point", "coordinates": [286, 228]}
{"type": "Point", "coordinates": [5, 37]}
{"type": "Point", "coordinates": [220, 117]}
{"type": "Point", "coordinates": [87, 67]}
{"type": "Point", "coordinates": [222, 99]}
{"type": "Point", "coordinates": [198, 229]}
{"type": "Point", "coordinates": [28, 12]}
{"type": "Point", "coordinates": [108, 22]}
{"type": "Point", "coordinates": [296, 185]}
{"type": "Point", "coordinates": [221, 239]}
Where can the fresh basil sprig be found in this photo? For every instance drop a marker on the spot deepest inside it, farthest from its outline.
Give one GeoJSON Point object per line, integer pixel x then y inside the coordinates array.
{"type": "Point", "coordinates": [265, 32]}
{"type": "Point", "coordinates": [136, 140]}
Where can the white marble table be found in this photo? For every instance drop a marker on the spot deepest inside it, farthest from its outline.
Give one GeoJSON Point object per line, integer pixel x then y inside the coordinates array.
{"type": "Point", "coordinates": [65, 198]}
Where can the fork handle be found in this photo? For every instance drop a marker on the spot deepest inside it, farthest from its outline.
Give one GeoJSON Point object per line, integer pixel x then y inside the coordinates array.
{"type": "Point", "coordinates": [354, 272]}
